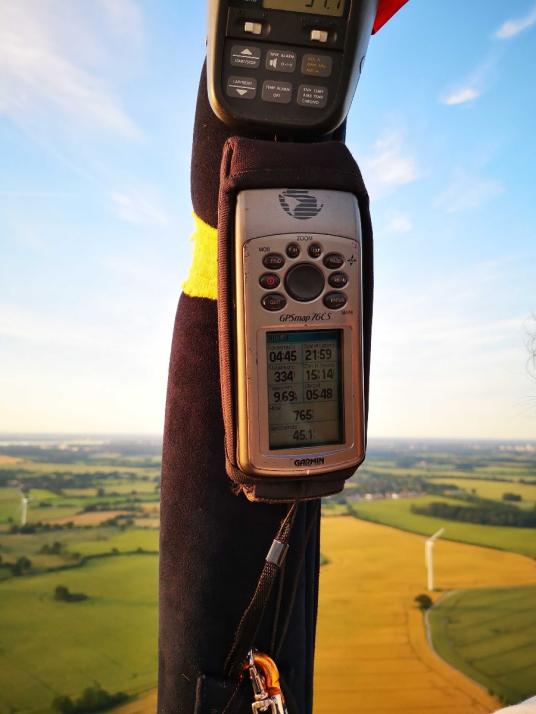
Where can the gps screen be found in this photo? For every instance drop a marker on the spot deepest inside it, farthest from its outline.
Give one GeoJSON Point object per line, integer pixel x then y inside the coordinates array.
{"type": "Point", "coordinates": [304, 388]}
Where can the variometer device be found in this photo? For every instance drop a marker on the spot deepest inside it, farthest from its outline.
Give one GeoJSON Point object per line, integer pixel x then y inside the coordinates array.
{"type": "Point", "coordinates": [299, 375]}
{"type": "Point", "coordinates": [286, 67]}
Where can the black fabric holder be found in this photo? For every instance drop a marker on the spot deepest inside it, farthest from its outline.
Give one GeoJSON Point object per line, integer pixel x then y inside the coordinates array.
{"type": "Point", "coordinates": [253, 164]}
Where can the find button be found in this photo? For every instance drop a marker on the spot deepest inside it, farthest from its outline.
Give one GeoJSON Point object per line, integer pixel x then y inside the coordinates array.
{"type": "Point", "coordinates": [334, 301]}
{"type": "Point", "coordinates": [273, 261]}
{"type": "Point", "coordinates": [273, 302]}
{"type": "Point", "coordinates": [333, 261]}
{"type": "Point", "coordinates": [269, 281]}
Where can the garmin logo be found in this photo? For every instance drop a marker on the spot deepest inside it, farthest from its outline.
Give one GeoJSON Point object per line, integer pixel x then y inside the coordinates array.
{"type": "Point", "coordinates": [300, 203]}
{"type": "Point", "coordinates": [315, 317]}
{"type": "Point", "coordinates": [316, 461]}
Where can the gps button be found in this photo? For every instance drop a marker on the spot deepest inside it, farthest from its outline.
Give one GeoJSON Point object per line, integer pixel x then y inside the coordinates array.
{"type": "Point", "coordinates": [333, 261]}
{"type": "Point", "coordinates": [335, 301]}
{"type": "Point", "coordinates": [338, 280]}
{"type": "Point", "coordinates": [304, 282]}
{"type": "Point", "coordinates": [269, 281]}
{"type": "Point", "coordinates": [273, 302]}
{"type": "Point", "coordinates": [273, 261]}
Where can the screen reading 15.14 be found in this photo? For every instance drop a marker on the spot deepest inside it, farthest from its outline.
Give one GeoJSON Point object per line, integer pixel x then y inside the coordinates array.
{"type": "Point", "coordinates": [304, 388]}
{"type": "Point", "coordinates": [316, 7]}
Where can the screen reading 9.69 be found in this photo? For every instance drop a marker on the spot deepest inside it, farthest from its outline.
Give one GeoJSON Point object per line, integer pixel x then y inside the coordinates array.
{"type": "Point", "coordinates": [315, 7]}
{"type": "Point", "coordinates": [304, 388]}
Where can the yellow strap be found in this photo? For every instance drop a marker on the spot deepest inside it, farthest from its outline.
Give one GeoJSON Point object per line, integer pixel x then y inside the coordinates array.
{"type": "Point", "coordinates": [202, 281]}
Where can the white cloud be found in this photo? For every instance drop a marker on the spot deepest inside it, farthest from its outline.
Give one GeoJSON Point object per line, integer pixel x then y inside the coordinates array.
{"type": "Point", "coordinates": [467, 192]}
{"type": "Point", "coordinates": [137, 209]}
{"type": "Point", "coordinates": [44, 70]}
{"type": "Point", "coordinates": [511, 28]}
{"type": "Point", "coordinates": [390, 165]}
{"type": "Point", "coordinates": [399, 224]}
{"type": "Point", "coordinates": [123, 17]}
{"type": "Point", "coordinates": [461, 96]}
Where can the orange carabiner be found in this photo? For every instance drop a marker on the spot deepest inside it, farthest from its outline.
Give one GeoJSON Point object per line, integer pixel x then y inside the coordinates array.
{"type": "Point", "coordinates": [265, 679]}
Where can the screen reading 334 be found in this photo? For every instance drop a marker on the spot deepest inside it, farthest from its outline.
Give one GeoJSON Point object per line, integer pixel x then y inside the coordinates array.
{"type": "Point", "coordinates": [304, 388]}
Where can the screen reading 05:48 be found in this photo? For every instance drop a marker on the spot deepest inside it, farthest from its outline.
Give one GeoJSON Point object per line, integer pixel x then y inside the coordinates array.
{"type": "Point", "coordinates": [304, 388]}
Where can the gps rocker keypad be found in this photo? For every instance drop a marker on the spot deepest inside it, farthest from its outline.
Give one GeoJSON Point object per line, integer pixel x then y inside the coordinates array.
{"type": "Point", "coordinates": [303, 277]}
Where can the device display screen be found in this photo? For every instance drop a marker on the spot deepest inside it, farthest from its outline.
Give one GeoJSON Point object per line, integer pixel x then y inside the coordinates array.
{"type": "Point", "coordinates": [304, 388]}
{"type": "Point", "coordinates": [315, 7]}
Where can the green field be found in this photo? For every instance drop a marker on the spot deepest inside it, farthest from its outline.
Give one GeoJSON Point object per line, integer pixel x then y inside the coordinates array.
{"type": "Point", "coordinates": [490, 635]}
{"type": "Point", "coordinates": [50, 648]}
{"type": "Point", "coordinates": [491, 489]}
{"type": "Point", "coordinates": [397, 513]}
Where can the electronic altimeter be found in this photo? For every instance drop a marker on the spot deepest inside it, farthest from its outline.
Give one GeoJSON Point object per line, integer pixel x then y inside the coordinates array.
{"type": "Point", "coordinates": [299, 371]}
{"type": "Point", "coordinates": [286, 67]}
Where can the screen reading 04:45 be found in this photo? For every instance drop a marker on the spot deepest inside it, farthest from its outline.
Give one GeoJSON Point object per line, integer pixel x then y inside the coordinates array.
{"type": "Point", "coordinates": [315, 7]}
{"type": "Point", "coordinates": [304, 388]}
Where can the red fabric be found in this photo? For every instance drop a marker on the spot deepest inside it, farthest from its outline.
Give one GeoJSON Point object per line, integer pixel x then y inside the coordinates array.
{"type": "Point", "coordinates": [386, 10]}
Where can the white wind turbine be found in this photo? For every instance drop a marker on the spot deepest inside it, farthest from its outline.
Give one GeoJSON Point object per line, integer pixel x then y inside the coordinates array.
{"type": "Point", "coordinates": [429, 558]}
{"type": "Point", "coordinates": [24, 500]}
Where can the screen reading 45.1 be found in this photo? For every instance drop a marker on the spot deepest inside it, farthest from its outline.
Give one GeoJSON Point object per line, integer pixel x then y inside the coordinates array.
{"type": "Point", "coordinates": [304, 388]}
{"type": "Point", "coordinates": [316, 7]}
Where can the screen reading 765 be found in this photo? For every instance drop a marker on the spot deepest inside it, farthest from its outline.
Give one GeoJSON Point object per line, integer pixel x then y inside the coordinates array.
{"type": "Point", "coordinates": [304, 388]}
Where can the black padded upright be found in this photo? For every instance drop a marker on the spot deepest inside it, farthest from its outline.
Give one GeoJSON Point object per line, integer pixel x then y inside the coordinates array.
{"type": "Point", "coordinates": [213, 543]}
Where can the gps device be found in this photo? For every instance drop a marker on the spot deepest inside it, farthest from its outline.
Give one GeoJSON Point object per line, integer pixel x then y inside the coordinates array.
{"type": "Point", "coordinates": [286, 67]}
{"type": "Point", "coordinates": [298, 312]}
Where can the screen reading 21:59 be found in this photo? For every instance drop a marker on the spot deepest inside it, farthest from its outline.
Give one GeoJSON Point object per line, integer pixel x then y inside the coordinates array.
{"type": "Point", "coordinates": [315, 7]}
{"type": "Point", "coordinates": [304, 388]}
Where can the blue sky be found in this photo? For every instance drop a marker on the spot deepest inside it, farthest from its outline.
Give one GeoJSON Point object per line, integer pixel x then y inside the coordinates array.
{"type": "Point", "coordinates": [96, 113]}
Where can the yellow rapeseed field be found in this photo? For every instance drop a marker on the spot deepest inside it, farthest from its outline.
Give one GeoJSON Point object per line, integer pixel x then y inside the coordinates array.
{"type": "Point", "coordinates": [372, 654]}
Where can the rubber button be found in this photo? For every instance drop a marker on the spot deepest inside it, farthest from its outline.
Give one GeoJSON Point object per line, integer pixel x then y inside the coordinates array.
{"type": "Point", "coordinates": [293, 250]}
{"type": "Point", "coordinates": [315, 250]}
{"type": "Point", "coordinates": [280, 61]}
{"type": "Point", "coordinates": [273, 302]}
{"type": "Point", "coordinates": [273, 261]}
{"type": "Point", "coordinates": [242, 87]}
{"type": "Point", "coordinates": [304, 282]}
{"type": "Point", "coordinates": [269, 281]}
{"type": "Point", "coordinates": [246, 56]}
{"type": "Point", "coordinates": [338, 280]}
{"type": "Point", "coordinates": [333, 261]}
{"type": "Point", "coordinates": [335, 300]}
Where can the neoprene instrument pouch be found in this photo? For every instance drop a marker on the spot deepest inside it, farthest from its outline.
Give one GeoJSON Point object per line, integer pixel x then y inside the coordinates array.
{"type": "Point", "coordinates": [248, 167]}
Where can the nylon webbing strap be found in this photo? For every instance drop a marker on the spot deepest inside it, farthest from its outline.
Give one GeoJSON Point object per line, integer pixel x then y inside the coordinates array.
{"type": "Point", "coordinates": [252, 617]}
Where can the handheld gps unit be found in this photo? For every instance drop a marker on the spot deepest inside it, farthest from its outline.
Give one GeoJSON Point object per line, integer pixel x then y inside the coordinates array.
{"type": "Point", "coordinates": [298, 329]}
{"type": "Point", "coordinates": [286, 67]}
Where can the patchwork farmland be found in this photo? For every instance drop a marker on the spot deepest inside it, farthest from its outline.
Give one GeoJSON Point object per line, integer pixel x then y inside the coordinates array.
{"type": "Point", "coordinates": [93, 530]}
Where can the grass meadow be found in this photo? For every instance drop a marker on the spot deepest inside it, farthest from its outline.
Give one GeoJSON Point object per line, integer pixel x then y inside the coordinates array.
{"type": "Point", "coordinates": [490, 635]}
{"type": "Point", "coordinates": [397, 513]}
{"type": "Point", "coordinates": [50, 648]}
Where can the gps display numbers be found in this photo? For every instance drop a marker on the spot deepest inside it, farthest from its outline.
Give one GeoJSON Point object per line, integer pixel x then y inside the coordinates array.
{"type": "Point", "coordinates": [304, 388]}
